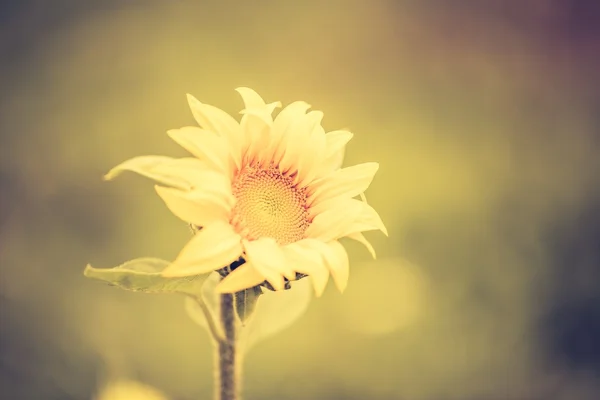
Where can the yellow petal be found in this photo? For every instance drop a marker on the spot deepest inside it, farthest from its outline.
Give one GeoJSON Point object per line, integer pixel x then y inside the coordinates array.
{"type": "Point", "coordinates": [335, 146]}
{"type": "Point", "coordinates": [368, 220]}
{"type": "Point", "coordinates": [336, 141]}
{"type": "Point", "coordinates": [250, 97]}
{"type": "Point", "coordinates": [339, 265]}
{"type": "Point", "coordinates": [203, 144]}
{"type": "Point", "coordinates": [203, 178]}
{"type": "Point", "coordinates": [297, 144]}
{"type": "Point", "coordinates": [335, 259]}
{"type": "Point", "coordinates": [175, 172]}
{"type": "Point", "coordinates": [333, 162]}
{"type": "Point", "coordinates": [257, 136]}
{"type": "Point", "coordinates": [309, 164]}
{"type": "Point", "coordinates": [258, 139]}
{"type": "Point", "coordinates": [243, 277]}
{"type": "Point", "coordinates": [335, 219]}
{"type": "Point", "coordinates": [269, 260]}
{"type": "Point", "coordinates": [359, 237]}
{"type": "Point", "coordinates": [344, 217]}
{"type": "Point", "coordinates": [283, 127]}
{"type": "Point", "coordinates": [213, 247]}
{"type": "Point", "coordinates": [348, 182]}
{"type": "Point", "coordinates": [263, 114]}
{"type": "Point", "coordinates": [199, 207]}
{"type": "Point", "coordinates": [255, 124]}
{"type": "Point", "coordinates": [308, 261]}
{"type": "Point", "coordinates": [210, 117]}
{"type": "Point", "coordinates": [325, 205]}
{"type": "Point", "coordinates": [218, 121]}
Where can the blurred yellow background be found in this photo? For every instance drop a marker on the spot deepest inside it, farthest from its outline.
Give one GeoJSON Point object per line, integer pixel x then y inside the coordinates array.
{"type": "Point", "coordinates": [483, 116]}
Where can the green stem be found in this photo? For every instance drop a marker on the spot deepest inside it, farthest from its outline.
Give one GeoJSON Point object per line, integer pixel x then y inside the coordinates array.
{"type": "Point", "coordinates": [228, 360]}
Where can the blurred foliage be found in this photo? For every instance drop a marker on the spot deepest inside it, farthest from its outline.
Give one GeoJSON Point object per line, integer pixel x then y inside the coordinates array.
{"type": "Point", "coordinates": [483, 116]}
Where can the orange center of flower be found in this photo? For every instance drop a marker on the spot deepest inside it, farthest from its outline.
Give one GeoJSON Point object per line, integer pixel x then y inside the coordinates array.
{"type": "Point", "coordinates": [269, 204]}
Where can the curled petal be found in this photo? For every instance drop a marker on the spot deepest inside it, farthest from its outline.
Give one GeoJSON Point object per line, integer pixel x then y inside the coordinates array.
{"type": "Point", "coordinates": [202, 178]}
{"type": "Point", "coordinates": [243, 277]}
{"type": "Point", "coordinates": [213, 247]}
{"type": "Point", "coordinates": [175, 172]}
{"type": "Point", "coordinates": [334, 257]}
{"type": "Point", "coordinates": [306, 260]}
{"type": "Point", "coordinates": [269, 260]}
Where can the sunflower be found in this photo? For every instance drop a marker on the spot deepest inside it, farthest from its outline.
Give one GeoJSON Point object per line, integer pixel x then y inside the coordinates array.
{"type": "Point", "coordinates": [268, 197]}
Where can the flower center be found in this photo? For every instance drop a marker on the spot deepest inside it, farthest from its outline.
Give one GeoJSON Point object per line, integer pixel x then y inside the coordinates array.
{"type": "Point", "coordinates": [269, 205]}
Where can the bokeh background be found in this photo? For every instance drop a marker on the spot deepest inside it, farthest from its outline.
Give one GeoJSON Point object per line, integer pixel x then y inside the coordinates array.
{"type": "Point", "coordinates": [484, 116]}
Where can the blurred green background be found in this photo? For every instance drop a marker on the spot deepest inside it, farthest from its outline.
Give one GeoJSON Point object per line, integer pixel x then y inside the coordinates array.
{"type": "Point", "coordinates": [484, 117]}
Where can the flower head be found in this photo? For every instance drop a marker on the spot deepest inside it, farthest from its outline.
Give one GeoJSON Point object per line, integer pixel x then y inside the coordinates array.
{"type": "Point", "coordinates": [269, 191]}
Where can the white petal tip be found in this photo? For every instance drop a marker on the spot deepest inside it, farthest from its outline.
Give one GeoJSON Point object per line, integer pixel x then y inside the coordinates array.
{"type": "Point", "coordinates": [88, 269]}
{"type": "Point", "coordinates": [341, 283]}
{"type": "Point", "coordinates": [319, 290]}
{"type": "Point", "coordinates": [242, 89]}
{"type": "Point", "coordinates": [110, 175]}
{"type": "Point", "coordinates": [160, 189]}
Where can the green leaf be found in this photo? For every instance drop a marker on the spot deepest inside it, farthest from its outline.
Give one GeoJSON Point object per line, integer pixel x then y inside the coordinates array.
{"type": "Point", "coordinates": [144, 275]}
{"type": "Point", "coordinates": [245, 302]}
